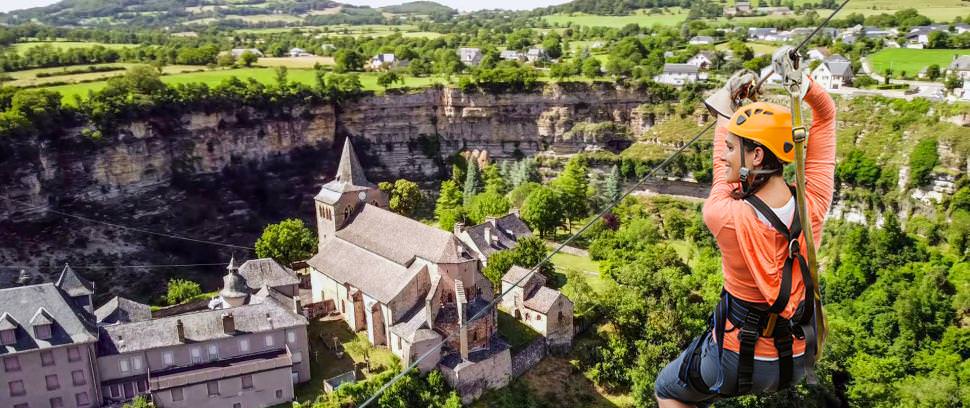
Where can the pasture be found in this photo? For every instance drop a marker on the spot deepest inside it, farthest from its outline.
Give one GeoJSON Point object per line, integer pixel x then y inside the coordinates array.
{"type": "Point", "coordinates": [20, 47]}
{"type": "Point", "coordinates": [910, 60]}
{"type": "Point", "coordinates": [294, 63]}
{"type": "Point", "coordinates": [672, 16]}
{"type": "Point", "coordinates": [28, 78]}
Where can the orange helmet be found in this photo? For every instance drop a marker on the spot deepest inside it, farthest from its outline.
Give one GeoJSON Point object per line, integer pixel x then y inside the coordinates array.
{"type": "Point", "coordinates": [768, 124]}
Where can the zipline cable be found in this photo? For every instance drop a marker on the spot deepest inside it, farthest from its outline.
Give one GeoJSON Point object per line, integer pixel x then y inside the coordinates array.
{"type": "Point", "coordinates": [609, 207]}
{"type": "Point", "coordinates": [114, 266]}
{"type": "Point", "coordinates": [141, 230]}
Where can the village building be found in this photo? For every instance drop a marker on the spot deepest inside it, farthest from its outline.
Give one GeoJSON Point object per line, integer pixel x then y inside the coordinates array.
{"type": "Point", "coordinates": [960, 67]}
{"type": "Point", "coordinates": [818, 54]}
{"type": "Point", "coordinates": [470, 56]}
{"type": "Point", "coordinates": [382, 61]}
{"type": "Point", "coordinates": [493, 235]}
{"type": "Point", "coordinates": [833, 73]}
{"type": "Point", "coordinates": [680, 74]}
{"type": "Point", "coordinates": [761, 33]}
{"type": "Point", "coordinates": [406, 285]}
{"type": "Point", "coordinates": [701, 40]}
{"type": "Point", "coordinates": [512, 55]}
{"type": "Point", "coordinates": [299, 52]}
{"type": "Point", "coordinates": [238, 52]}
{"type": "Point", "coordinates": [703, 60]}
{"type": "Point", "coordinates": [961, 28]}
{"type": "Point", "coordinates": [545, 310]}
{"type": "Point", "coordinates": [773, 77]}
{"type": "Point", "coordinates": [536, 54]}
{"type": "Point", "coordinates": [919, 37]}
{"type": "Point", "coordinates": [740, 8]}
{"type": "Point", "coordinates": [774, 11]}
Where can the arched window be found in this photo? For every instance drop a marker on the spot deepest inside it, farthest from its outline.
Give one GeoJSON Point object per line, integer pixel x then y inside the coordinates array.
{"type": "Point", "coordinates": [475, 335]}
{"type": "Point", "coordinates": [346, 212]}
{"type": "Point", "coordinates": [518, 316]}
{"type": "Point", "coordinates": [538, 317]}
{"type": "Point", "coordinates": [527, 316]}
{"type": "Point", "coordinates": [374, 203]}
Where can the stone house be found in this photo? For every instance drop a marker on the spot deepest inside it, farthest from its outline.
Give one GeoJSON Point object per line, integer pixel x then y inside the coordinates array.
{"type": "Point", "coordinates": [544, 309]}
{"type": "Point", "coordinates": [382, 61]}
{"type": "Point", "coordinates": [493, 235]}
{"type": "Point", "coordinates": [47, 347]}
{"type": "Point", "coordinates": [512, 55]}
{"type": "Point", "coordinates": [408, 286]}
{"type": "Point", "coordinates": [740, 8]}
{"type": "Point", "coordinates": [833, 73]}
{"type": "Point", "coordinates": [536, 54]}
{"type": "Point", "coordinates": [703, 60]}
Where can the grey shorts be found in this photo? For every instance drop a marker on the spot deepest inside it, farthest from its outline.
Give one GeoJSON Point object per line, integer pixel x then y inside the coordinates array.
{"type": "Point", "coordinates": [764, 379]}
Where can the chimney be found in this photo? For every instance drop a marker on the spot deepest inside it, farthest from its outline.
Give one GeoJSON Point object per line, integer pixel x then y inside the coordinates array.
{"type": "Point", "coordinates": [463, 341]}
{"type": "Point", "coordinates": [459, 227]}
{"type": "Point", "coordinates": [228, 323]}
{"type": "Point", "coordinates": [180, 329]}
{"type": "Point", "coordinates": [488, 236]}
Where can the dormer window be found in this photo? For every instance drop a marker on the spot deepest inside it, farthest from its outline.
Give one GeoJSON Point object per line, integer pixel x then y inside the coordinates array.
{"type": "Point", "coordinates": [8, 337]}
{"type": "Point", "coordinates": [42, 332]}
{"type": "Point", "coordinates": [42, 323]}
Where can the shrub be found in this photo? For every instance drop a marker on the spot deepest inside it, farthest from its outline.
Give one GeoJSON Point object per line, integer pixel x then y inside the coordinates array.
{"type": "Point", "coordinates": [180, 290]}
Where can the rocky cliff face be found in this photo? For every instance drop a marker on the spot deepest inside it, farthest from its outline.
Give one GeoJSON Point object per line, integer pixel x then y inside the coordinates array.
{"type": "Point", "coordinates": [222, 176]}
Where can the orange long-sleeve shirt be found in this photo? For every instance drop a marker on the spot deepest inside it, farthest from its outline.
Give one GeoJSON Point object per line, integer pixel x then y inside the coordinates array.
{"type": "Point", "coordinates": [753, 253]}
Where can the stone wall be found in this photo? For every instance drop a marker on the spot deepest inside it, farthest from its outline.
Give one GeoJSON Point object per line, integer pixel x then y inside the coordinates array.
{"type": "Point", "coordinates": [528, 357]}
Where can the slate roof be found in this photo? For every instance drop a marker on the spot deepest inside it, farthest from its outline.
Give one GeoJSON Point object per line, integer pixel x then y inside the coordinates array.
{"type": "Point", "coordinates": [122, 310]}
{"type": "Point", "coordinates": [41, 318]}
{"type": "Point", "coordinates": [233, 284]}
{"type": "Point", "coordinates": [507, 230]}
{"type": "Point", "coordinates": [350, 176]}
{"type": "Point", "coordinates": [73, 284]}
{"type": "Point", "coordinates": [412, 322]}
{"type": "Point", "coordinates": [7, 322]}
{"type": "Point", "coordinates": [839, 68]}
{"type": "Point", "coordinates": [19, 306]}
{"type": "Point", "coordinates": [267, 272]}
{"type": "Point", "coordinates": [199, 326]}
{"type": "Point", "coordinates": [516, 274]}
{"type": "Point", "coordinates": [399, 238]}
{"type": "Point", "coordinates": [680, 69]}
{"type": "Point", "coordinates": [542, 299]}
{"type": "Point", "coordinates": [702, 38]}
{"type": "Point", "coordinates": [377, 276]}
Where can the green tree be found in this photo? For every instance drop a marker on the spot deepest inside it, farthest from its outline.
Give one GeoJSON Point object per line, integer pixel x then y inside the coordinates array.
{"type": "Point", "coordinates": [248, 58]}
{"type": "Point", "coordinates": [348, 60]}
{"type": "Point", "coordinates": [572, 185]}
{"type": "Point", "coordinates": [518, 195]}
{"type": "Point", "coordinates": [389, 78]}
{"type": "Point", "coordinates": [473, 182]}
{"type": "Point", "coordinates": [139, 402]}
{"type": "Point", "coordinates": [180, 290]}
{"type": "Point", "coordinates": [287, 241]}
{"type": "Point", "coordinates": [226, 60]}
{"type": "Point", "coordinates": [592, 68]}
{"type": "Point", "coordinates": [542, 210]}
{"type": "Point", "coordinates": [448, 208]}
{"type": "Point", "coordinates": [489, 203]}
{"type": "Point", "coordinates": [933, 72]}
{"type": "Point", "coordinates": [922, 161]}
{"type": "Point", "coordinates": [613, 188]}
{"type": "Point", "coordinates": [495, 180]}
{"type": "Point", "coordinates": [405, 197]}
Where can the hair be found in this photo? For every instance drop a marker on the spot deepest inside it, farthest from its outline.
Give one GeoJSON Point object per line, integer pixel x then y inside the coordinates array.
{"type": "Point", "coordinates": [771, 166]}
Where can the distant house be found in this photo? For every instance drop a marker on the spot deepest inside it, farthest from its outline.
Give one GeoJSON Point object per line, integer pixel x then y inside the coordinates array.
{"type": "Point", "coordinates": [740, 8]}
{"type": "Point", "coordinates": [703, 60]}
{"type": "Point", "coordinates": [761, 33]}
{"type": "Point", "coordinates": [536, 54]}
{"type": "Point", "coordinates": [238, 52]}
{"type": "Point", "coordinates": [921, 35]}
{"type": "Point", "coordinates": [470, 56]}
{"type": "Point", "coordinates": [299, 52]}
{"type": "Point", "coordinates": [493, 235]}
{"type": "Point", "coordinates": [186, 34]}
{"type": "Point", "coordinates": [701, 40]}
{"type": "Point", "coordinates": [774, 11]}
{"type": "Point", "coordinates": [542, 308]}
{"type": "Point", "coordinates": [512, 55]}
{"type": "Point", "coordinates": [960, 67]}
{"type": "Point", "coordinates": [818, 54]}
{"type": "Point", "coordinates": [961, 28]}
{"type": "Point", "coordinates": [680, 74]}
{"type": "Point", "coordinates": [833, 73]}
{"type": "Point", "coordinates": [781, 36]}
{"type": "Point", "coordinates": [382, 61]}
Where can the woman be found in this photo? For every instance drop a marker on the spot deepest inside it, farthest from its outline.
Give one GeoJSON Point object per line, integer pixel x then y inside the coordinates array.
{"type": "Point", "coordinates": [749, 200]}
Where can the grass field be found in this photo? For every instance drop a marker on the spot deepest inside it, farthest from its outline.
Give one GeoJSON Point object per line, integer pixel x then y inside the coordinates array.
{"type": "Point", "coordinates": [674, 15]}
{"type": "Point", "coordinates": [759, 48]}
{"type": "Point", "coordinates": [344, 29]}
{"type": "Point", "coordinates": [588, 267]}
{"type": "Point", "coordinates": [910, 60]}
{"type": "Point", "coordinates": [298, 63]}
{"type": "Point", "coordinates": [29, 77]}
{"type": "Point", "coordinates": [264, 75]}
{"type": "Point", "coordinates": [23, 46]}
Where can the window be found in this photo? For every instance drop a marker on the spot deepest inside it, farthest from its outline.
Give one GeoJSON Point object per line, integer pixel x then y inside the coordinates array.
{"type": "Point", "coordinates": [73, 354]}
{"type": "Point", "coordinates": [269, 340]}
{"type": "Point", "coordinates": [57, 402]}
{"type": "Point", "coordinates": [43, 331]}
{"type": "Point", "coordinates": [177, 394]}
{"type": "Point", "coordinates": [142, 385]}
{"type": "Point", "coordinates": [8, 337]}
{"type": "Point", "coordinates": [291, 337]}
{"type": "Point", "coordinates": [196, 354]}
{"type": "Point", "coordinates": [279, 394]}
{"type": "Point", "coordinates": [115, 391]}
{"type": "Point", "coordinates": [123, 365]}
{"type": "Point", "coordinates": [52, 383]}
{"type": "Point", "coordinates": [11, 364]}
{"type": "Point", "coordinates": [17, 388]}
{"type": "Point", "coordinates": [213, 352]}
{"type": "Point", "coordinates": [168, 358]}
{"type": "Point", "coordinates": [213, 387]}
{"type": "Point", "coordinates": [136, 363]}
{"type": "Point", "coordinates": [399, 343]}
{"type": "Point", "coordinates": [47, 358]}
{"type": "Point", "coordinates": [297, 357]}
{"type": "Point", "coordinates": [247, 381]}
{"type": "Point", "coordinates": [82, 399]}
{"type": "Point", "coordinates": [538, 317]}
{"type": "Point", "coordinates": [78, 377]}
{"type": "Point", "coordinates": [244, 345]}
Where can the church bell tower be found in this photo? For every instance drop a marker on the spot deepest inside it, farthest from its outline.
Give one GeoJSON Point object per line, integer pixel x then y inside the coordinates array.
{"type": "Point", "coordinates": [341, 197]}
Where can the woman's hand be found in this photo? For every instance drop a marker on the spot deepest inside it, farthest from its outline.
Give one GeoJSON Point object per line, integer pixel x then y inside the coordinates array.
{"type": "Point", "coordinates": [740, 86]}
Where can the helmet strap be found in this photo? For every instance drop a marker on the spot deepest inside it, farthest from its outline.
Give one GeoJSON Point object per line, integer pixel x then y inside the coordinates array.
{"type": "Point", "coordinates": [743, 171]}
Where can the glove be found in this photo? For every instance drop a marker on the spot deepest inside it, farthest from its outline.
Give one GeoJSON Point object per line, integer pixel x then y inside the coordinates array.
{"type": "Point", "coordinates": [785, 62]}
{"type": "Point", "coordinates": [726, 100]}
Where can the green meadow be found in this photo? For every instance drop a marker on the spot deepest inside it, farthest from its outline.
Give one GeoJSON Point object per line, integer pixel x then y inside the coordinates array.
{"type": "Point", "coordinates": [23, 46]}
{"type": "Point", "coordinates": [911, 60]}
{"type": "Point", "coordinates": [674, 15]}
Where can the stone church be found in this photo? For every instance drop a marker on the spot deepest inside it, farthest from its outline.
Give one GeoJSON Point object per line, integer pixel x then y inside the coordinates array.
{"type": "Point", "coordinates": [405, 284]}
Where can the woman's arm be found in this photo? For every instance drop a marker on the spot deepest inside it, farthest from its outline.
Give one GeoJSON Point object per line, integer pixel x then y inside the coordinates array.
{"type": "Point", "coordinates": [820, 151]}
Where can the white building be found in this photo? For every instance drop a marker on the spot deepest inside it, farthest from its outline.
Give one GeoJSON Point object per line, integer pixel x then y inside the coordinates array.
{"type": "Point", "coordinates": [833, 73]}
{"type": "Point", "coordinates": [774, 79]}
{"type": "Point", "coordinates": [703, 60]}
{"type": "Point", "coordinates": [470, 56]}
{"type": "Point", "coordinates": [818, 54]}
{"type": "Point", "coordinates": [701, 40]}
{"type": "Point", "coordinates": [512, 55]}
{"type": "Point", "coordinates": [960, 67]}
{"type": "Point", "coordinates": [382, 61]}
{"type": "Point", "coordinates": [536, 54]}
{"type": "Point", "coordinates": [299, 52]}
{"type": "Point", "coordinates": [238, 52]}
{"type": "Point", "coordinates": [680, 74]}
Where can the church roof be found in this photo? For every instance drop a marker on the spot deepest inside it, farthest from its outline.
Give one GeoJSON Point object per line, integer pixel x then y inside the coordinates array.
{"type": "Point", "coordinates": [73, 284]}
{"type": "Point", "coordinates": [377, 276]}
{"type": "Point", "coordinates": [400, 239]}
{"type": "Point", "coordinates": [350, 177]}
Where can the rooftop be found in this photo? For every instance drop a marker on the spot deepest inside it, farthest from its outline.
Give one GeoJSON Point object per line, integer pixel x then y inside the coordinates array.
{"type": "Point", "coordinates": [377, 276]}
{"type": "Point", "coordinates": [400, 239]}
{"type": "Point", "coordinates": [267, 272]}
{"type": "Point", "coordinates": [122, 310]}
{"type": "Point", "coordinates": [19, 306]}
